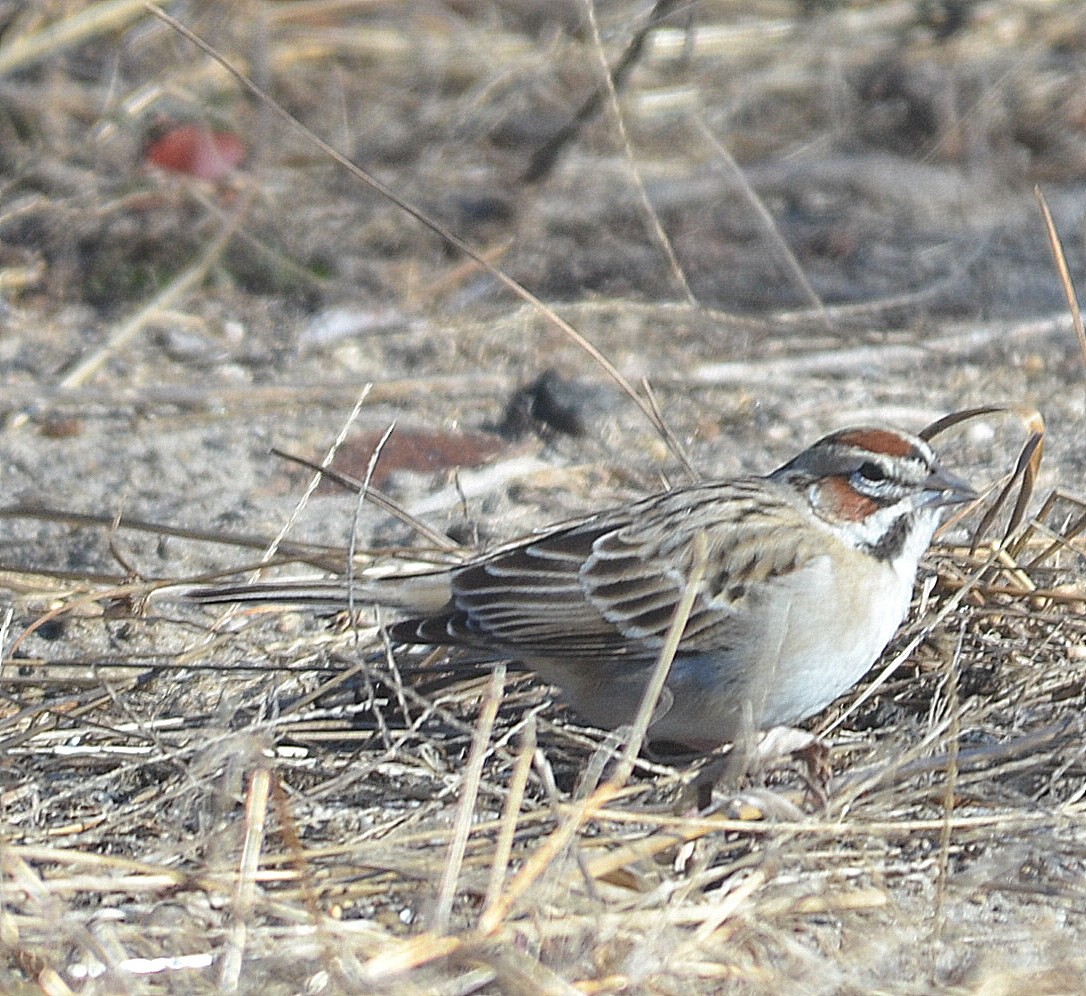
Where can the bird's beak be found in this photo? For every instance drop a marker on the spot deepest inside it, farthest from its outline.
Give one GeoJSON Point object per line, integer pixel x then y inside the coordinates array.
{"type": "Point", "coordinates": [948, 489]}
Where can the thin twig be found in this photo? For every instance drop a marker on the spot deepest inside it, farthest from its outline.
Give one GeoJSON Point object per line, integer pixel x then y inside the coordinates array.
{"type": "Point", "coordinates": [951, 787]}
{"type": "Point", "coordinates": [439, 540]}
{"type": "Point", "coordinates": [769, 224]}
{"type": "Point", "coordinates": [256, 811]}
{"type": "Point", "coordinates": [469, 791]}
{"type": "Point", "coordinates": [651, 696]}
{"type": "Point", "coordinates": [1056, 245]}
{"type": "Point", "coordinates": [315, 480]}
{"type": "Point", "coordinates": [356, 518]}
{"type": "Point", "coordinates": [639, 184]}
{"type": "Point", "coordinates": [503, 846]}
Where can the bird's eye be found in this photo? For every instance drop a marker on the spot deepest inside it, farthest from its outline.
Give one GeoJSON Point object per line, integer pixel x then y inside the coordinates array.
{"type": "Point", "coordinates": [871, 471]}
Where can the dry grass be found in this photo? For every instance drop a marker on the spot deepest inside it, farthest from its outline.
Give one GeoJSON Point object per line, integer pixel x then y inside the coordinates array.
{"type": "Point", "coordinates": [277, 804]}
{"type": "Point", "coordinates": [307, 833]}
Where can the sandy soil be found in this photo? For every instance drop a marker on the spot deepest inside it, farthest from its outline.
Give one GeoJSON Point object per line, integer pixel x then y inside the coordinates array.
{"type": "Point", "coordinates": [786, 220]}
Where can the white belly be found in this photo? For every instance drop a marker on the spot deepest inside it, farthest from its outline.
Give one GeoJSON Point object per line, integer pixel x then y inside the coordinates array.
{"type": "Point", "coordinates": [806, 642]}
{"type": "Point", "coordinates": [830, 633]}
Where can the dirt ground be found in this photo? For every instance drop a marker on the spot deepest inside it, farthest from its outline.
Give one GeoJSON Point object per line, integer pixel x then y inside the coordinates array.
{"type": "Point", "coordinates": [786, 218]}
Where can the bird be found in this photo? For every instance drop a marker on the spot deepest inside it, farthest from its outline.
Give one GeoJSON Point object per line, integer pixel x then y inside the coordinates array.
{"type": "Point", "coordinates": [806, 575]}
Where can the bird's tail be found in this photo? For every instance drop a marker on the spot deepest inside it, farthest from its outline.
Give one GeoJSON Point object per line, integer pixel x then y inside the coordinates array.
{"type": "Point", "coordinates": [426, 592]}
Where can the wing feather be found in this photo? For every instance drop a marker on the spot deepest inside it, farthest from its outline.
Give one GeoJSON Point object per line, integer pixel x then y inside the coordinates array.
{"type": "Point", "coordinates": [608, 587]}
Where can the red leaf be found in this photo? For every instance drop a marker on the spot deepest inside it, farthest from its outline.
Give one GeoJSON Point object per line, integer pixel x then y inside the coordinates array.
{"type": "Point", "coordinates": [196, 150]}
{"type": "Point", "coordinates": [421, 450]}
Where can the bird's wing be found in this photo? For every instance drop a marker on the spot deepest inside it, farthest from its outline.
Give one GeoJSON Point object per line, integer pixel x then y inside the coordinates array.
{"type": "Point", "coordinates": [609, 586]}
{"type": "Point", "coordinates": [636, 575]}
{"type": "Point", "coordinates": [528, 598]}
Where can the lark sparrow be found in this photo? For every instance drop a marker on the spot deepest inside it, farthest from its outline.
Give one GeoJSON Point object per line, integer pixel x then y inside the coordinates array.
{"type": "Point", "coordinates": [810, 570]}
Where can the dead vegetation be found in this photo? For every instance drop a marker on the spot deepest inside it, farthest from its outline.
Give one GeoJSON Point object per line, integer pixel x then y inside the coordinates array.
{"type": "Point", "coordinates": [808, 217]}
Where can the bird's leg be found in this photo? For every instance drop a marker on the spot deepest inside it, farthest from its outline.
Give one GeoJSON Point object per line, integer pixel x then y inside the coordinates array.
{"type": "Point", "coordinates": [728, 769]}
